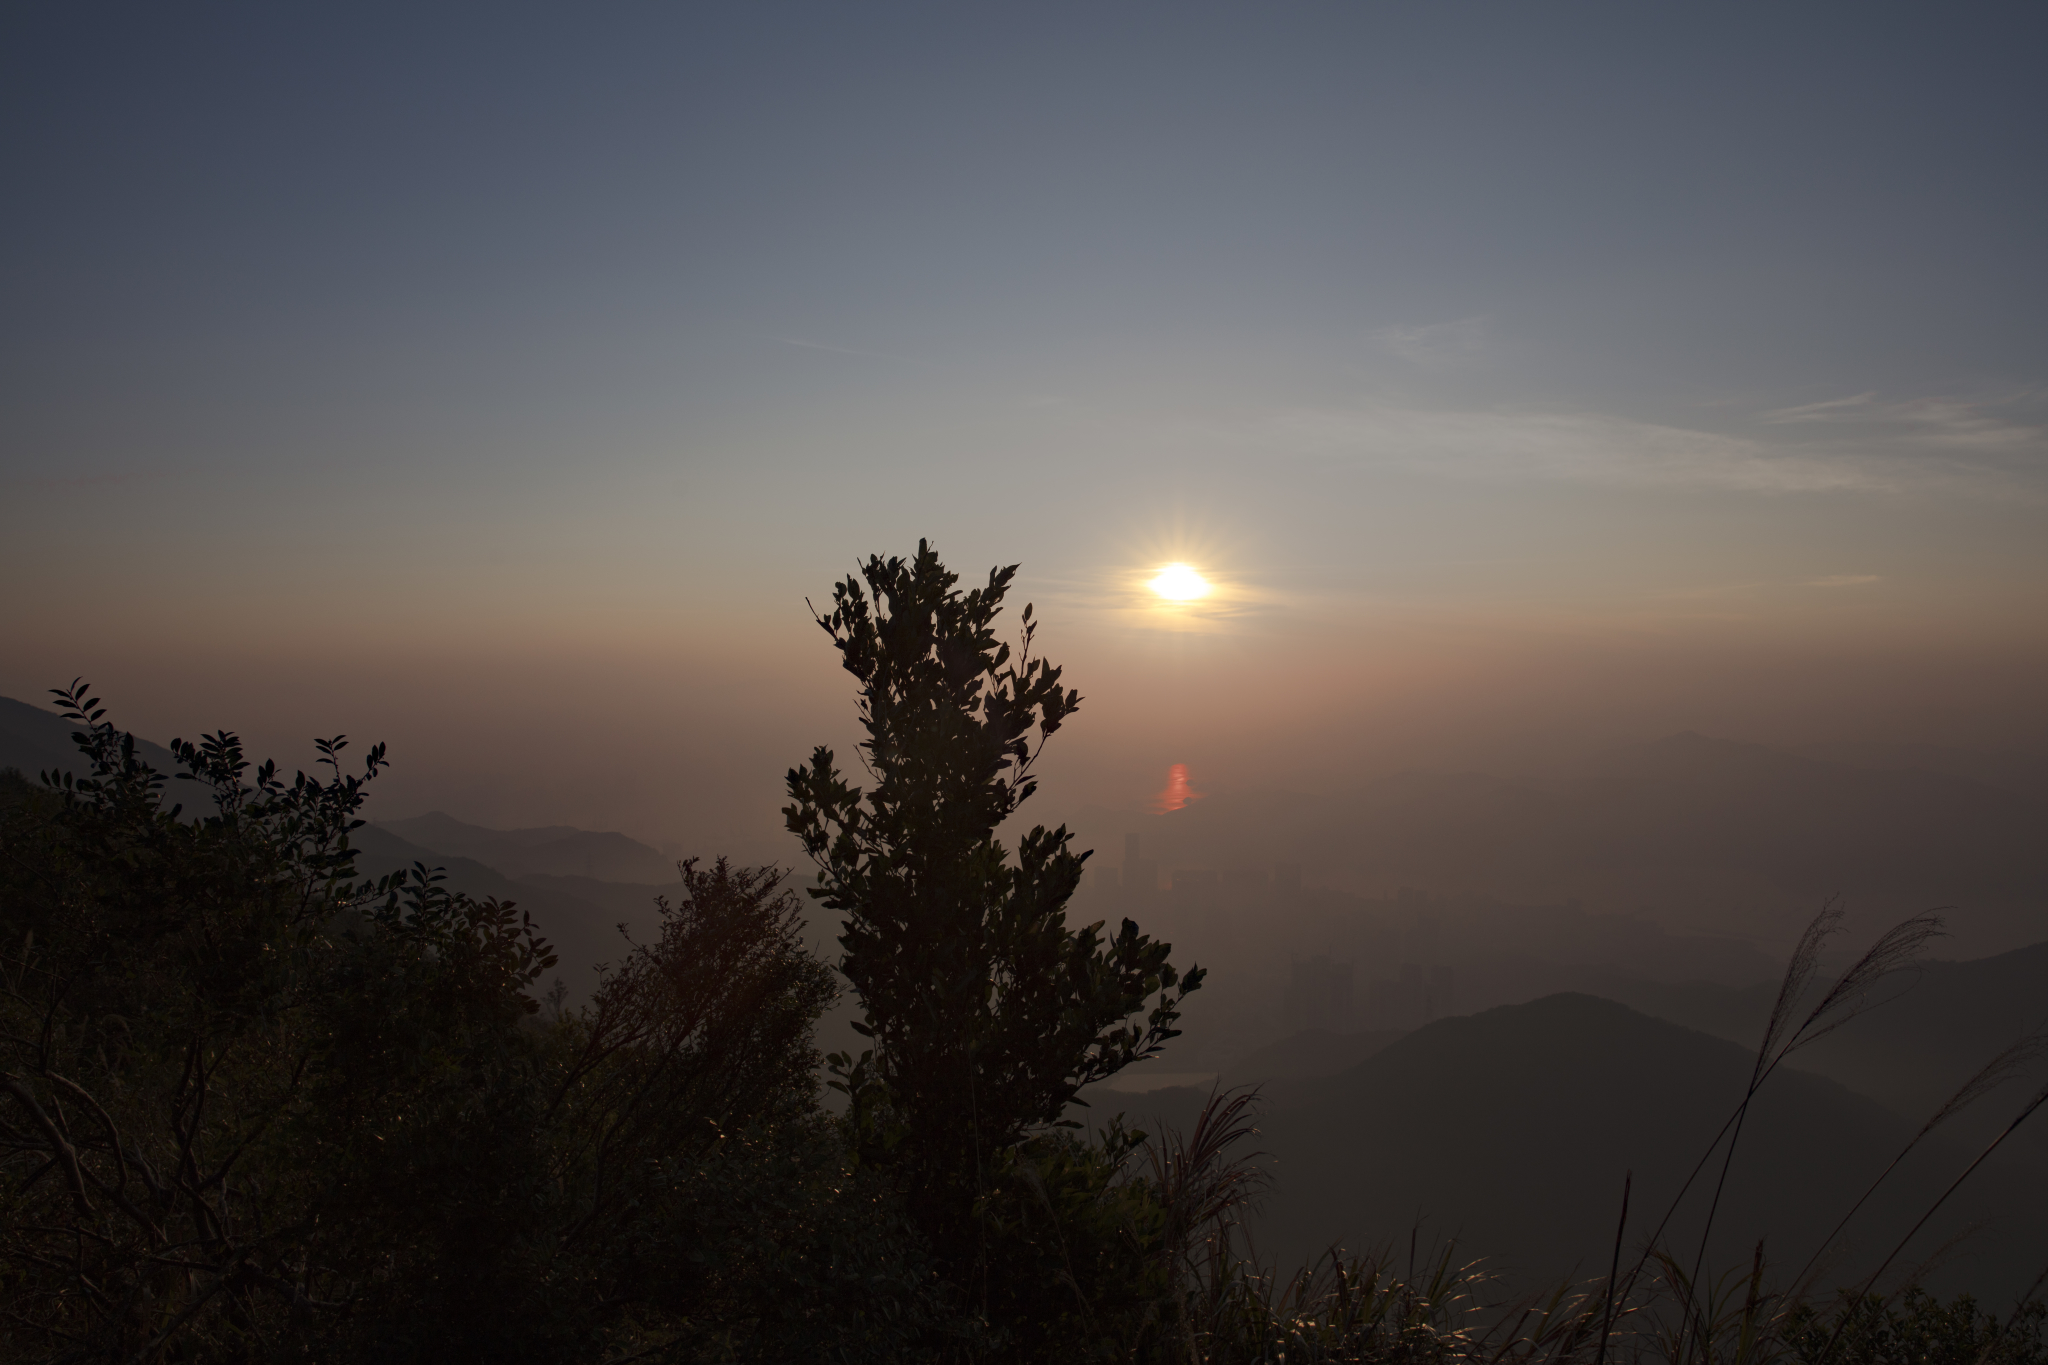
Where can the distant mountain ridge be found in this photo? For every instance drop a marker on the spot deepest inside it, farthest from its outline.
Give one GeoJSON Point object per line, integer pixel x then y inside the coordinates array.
{"type": "Point", "coordinates": [583, 934]}
{"type": "Point", "coordinates": [34, 739]}
{"type": "Point", "coordinates": [1511, 1131]}
{"type": "Point", "coordinates": [1928, 1029]}
{"type": "Point", "coordinates": [2020, 773]}
{"type": "Point", "coordinates": [549, 850]}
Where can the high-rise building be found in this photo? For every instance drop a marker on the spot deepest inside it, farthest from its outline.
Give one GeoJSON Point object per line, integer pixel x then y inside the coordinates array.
{"type": "Point", "coordinates": [1319, 996]}
{"type": "Point", "coordinates": [1442, 1000]}
{"type": "Point", "coordinates": [1140, 876]}
{"type": "Point", "coordinates": [1244, 884]}
{"type": "Point", "coordinates": [1416, 997]}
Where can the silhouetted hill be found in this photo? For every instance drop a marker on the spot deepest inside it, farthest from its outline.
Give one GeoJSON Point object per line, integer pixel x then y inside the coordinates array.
{"type": "Point", "coordinates": [2022, 774]}
{"type": "Point", "coordinates": [584, 934]}
{"type": "Point", "coordinates": [1480, 954]}
{"type": "Point", "coordinates": [553, 850]}
{"type": "Point", "coordinates": [1310, 1055]}
{"type": "Point", "coordinates": [1935, 1026]}
{"type": "Point", "coordinates": [1914, 1051]}
{"type": "Point", "coordinates": [1511, 1131]}
{"type": "Point", "coordinates": [35, 738]}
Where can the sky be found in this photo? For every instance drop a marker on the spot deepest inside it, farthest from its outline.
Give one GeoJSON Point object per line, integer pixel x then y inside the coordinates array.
{"type": "Point", "coordinates": [498, 381]}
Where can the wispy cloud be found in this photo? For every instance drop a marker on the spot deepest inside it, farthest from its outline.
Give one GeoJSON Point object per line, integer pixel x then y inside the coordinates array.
{"type": "Point", "coordinates": [1858, 443]}
{"type": "Point", "coordinates": [1828, 411]}
{"type": "Point", "coordinates": [1571, 447]}
{"type": "Point", "coordinates": [1998, 426]}
{"type": "Point", "coordinates": [1435, 343]}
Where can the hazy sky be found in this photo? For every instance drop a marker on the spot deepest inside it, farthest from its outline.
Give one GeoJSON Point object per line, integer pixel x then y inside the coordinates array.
{"type": "Point", "coordinates": [498, 381]}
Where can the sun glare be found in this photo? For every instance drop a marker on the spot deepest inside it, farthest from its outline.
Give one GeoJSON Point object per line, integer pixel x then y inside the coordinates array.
{"type": "Point", "coordinates": [1180, 583]}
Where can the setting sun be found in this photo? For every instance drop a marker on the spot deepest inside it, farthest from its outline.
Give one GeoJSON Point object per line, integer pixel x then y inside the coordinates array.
{"type": "Point", "coordinates": [1180, 583]}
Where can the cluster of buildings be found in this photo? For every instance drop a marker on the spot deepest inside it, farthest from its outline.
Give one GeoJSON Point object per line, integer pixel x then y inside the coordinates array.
{"type": "Point", "coordinates": [1323, 994]}
{"type": "Point", "coordinates": [1141, 878]}
{"type": "Point", "coordinates": [1414, 985]}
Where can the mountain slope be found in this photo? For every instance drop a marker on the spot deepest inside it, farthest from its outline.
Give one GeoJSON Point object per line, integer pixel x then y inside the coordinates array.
{"type": "Point", "coordinates": [1311, 1055]}
{"type": "Point", "coordinates": [583, 934]}
{"type": "Point", "coordinates": [1511, 1131]}
{"type": "Point", "coordinates": [34, 739]}
{"type": "Point", "coordinates": [552, 850]}
{"type": "Point", "coordinates": [1928, 1030]}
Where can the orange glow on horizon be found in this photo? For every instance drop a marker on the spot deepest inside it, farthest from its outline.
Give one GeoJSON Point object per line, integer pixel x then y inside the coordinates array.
{"type": "Point", "coordinates": [1177, 792]}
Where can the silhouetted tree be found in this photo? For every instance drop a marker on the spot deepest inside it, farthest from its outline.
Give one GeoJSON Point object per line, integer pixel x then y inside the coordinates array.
{"type": "Point", "coordinates": [987, 1010]}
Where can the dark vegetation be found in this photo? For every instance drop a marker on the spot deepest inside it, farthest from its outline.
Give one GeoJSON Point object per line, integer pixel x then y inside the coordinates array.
{"type": "Point", "coordinates": [257, 1107]}
{"type": "Point", "coordinates": [258, 1110]}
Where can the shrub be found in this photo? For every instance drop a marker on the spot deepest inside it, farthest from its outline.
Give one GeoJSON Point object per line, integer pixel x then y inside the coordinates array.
{"type": "Point", "coordinates": [252, 1108]}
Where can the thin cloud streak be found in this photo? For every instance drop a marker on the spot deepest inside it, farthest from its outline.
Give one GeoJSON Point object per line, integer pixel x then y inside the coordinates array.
{"type": "Point", "coordinates": [1933, 423]}
{"type": "Point", "coordinates": [1827, 411]}
{"type": "Point", "coordinates": [1436, 343]}
{"type": "Point", "coordinates": [1558, 447]}
{"type": "Point", "coordinates": [1920, 446]}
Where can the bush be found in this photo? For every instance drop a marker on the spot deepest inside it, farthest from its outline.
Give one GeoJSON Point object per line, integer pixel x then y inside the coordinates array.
{"type": "Point", "coordinates": [252, 1108]}
{"type": "Point", "coordinates": [1075, 1249]}
{"type": "Point", "coordinates": [1915, 1328]}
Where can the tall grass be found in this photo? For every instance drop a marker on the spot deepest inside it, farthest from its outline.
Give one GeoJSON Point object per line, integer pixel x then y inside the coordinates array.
{"type": "Point", "coordinates": [1667, 1307]}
